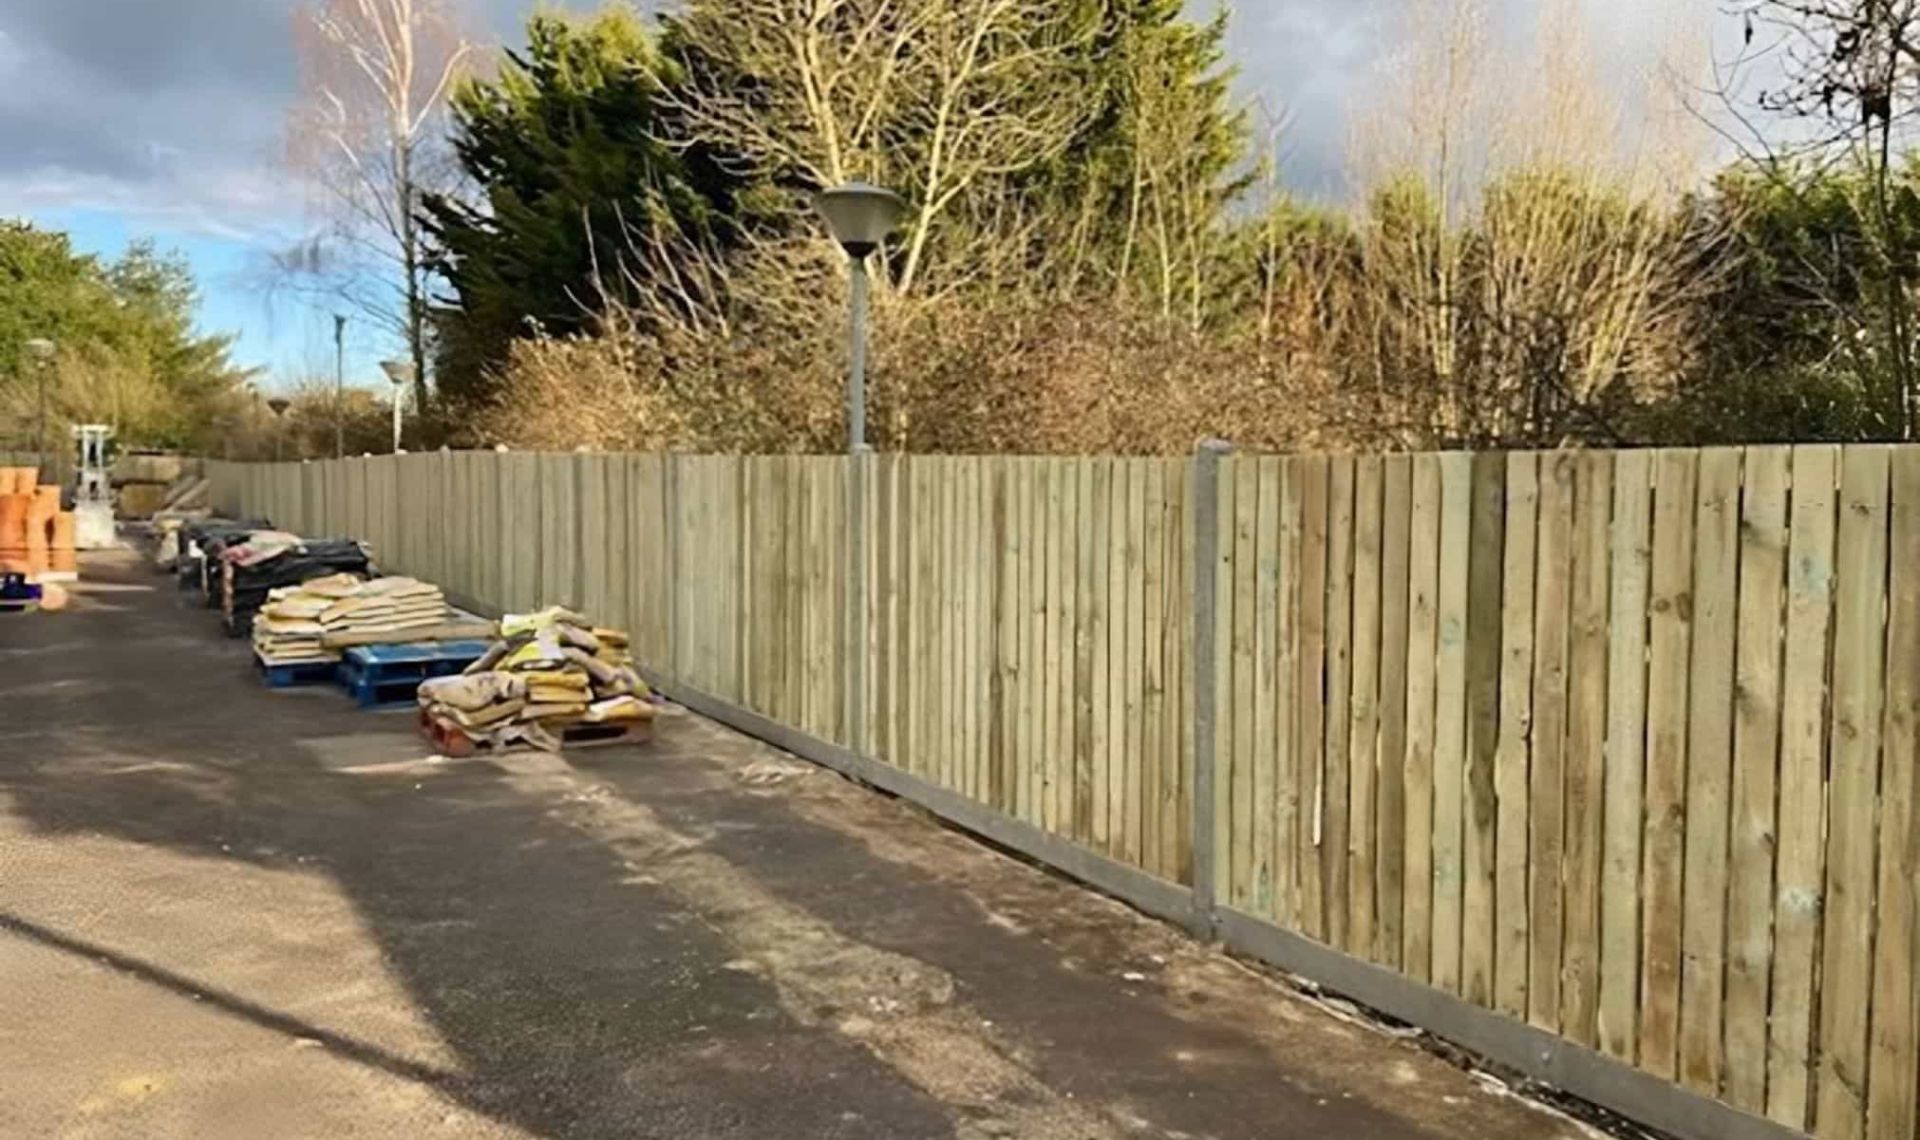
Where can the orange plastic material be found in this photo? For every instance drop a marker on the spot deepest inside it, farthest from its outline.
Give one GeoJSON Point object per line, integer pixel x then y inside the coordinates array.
{"type": "Point", "coordinates": [13, 533]}
{"type": "Point", "coordinates": [60, 532]}
{"type": "Point", "coordinates": [40, 512]}
{"type": "Point", "coordinates": [63, 561]}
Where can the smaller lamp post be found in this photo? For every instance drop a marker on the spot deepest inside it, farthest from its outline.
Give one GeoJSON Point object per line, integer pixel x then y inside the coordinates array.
{"type": "Point", "coordinates": [401, 373]}
{"type": "Point", "coordinates": [278, 405]}
{"type": "Point", "coordinates": [861, 217]}
{"type": "Point", "coordinates": [42, 350]}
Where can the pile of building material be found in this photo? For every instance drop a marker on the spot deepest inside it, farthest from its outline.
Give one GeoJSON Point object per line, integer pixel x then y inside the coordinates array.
{"type": "Point", "coordinates": [288, 627]}
{"type": "Point", "coordinates": [144, 480]}
{"type": "Point", "coordinates": [550, 676]}
{"type": "Point", "coordinates": [384, 610]}
{"type": "Point", "coordinates": [267, 559]}
{"type": "Point", "coordinates": [36, 536]}
{"type": "Point", "coordinates": [317, 619]}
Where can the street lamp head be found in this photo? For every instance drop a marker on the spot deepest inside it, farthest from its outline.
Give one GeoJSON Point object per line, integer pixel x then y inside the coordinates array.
{"type": "Point", "coordinates": [860, 216]}
{"type": "Point", "coordinates": [40, 348]}
{"type": "Point", "coordinates": [398, 371]}
{"type": "Point", "coordinates": [279, 405]}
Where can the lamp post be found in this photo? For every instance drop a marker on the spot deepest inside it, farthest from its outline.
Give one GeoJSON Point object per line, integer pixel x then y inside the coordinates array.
{"type": "Point", "coordinates": [278, 405]}
{"type": "Point", "coordinates": [339, 385]}
{"type": "Point", "coordinates": [861, 217]}
{"type": "Point", "coordinates": [42, 350]}
{"type": "Point", "coordinates": [401, 372]}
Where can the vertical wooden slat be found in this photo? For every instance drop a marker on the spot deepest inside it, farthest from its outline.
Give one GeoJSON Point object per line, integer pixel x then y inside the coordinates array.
{"type": "Point", "coordinates": [1799, 867]}
{"type": "Point", "coordinates": [1669, 640]}
{"type": "Point", "coordinates": [1099, 552]}
{"type": "Point", "coordinates": [1524, 520]}
{"type": "Point", "coordinates": [1266, 691]}
{"type": "Point", "coordinates": [1135, 574]}
{"type": "Point", "coordinates": [1390, 792]}
{"type": "Point", "coordinates": [1859, 677]}
{"type": "Point", "coordinates": [953, 658]}
{"type": "Point", "coordinates": [1756, 740]}
{"type": "Point", "coordinates": [1241, 720]}
{"type": "Point", "coordinates": [796, 655]}
{"type": "Point", "coordinates": [882, 542]}
{"type": "Point", "coordinates": [936, 751]}
{"type": "Point", "coordinates": [1040, 617]}
{"type": "Point", "coordinates": [1363, 709]}
{"type": "Point", "coordinates": [1423, 584]}
{"type": "Point", "coordinates": [1546, 848]}
{"type": "Point", "coordinates": [1005, 682]}
{"type": "Point", "coordinates": [1631, 559]}
{"type": "Point", "coordinates": [1153, 773]}
{"type": "Point", "coordinates": [1084, 629]}
{"type": "Point", "coordinates": [1710, 698]}
{"type": "Point", "coordinates": [1176, 639]}
{"type": "Point", "coordinates": [1307, 483]}
{"type": "Point", "coordinates": [825, 596]}
{"type": "Point", "coordinates": [1586, 747]}
{"type": "Point", "coordinates": [981, 555]}
{"type": "Point", "coordinates": [1485, 563]}
{"type": "Point", "coordinates": [1286, 806]}
{"type": "Point", "coordinates": [1895, 1056]}
{"type": "Point", "coordinates": [1122, 641]}
{"type": "Point", "coordinates": [1334, 872]}
{"type": "Point", "coordinates": [1060, 628]}
{"type": "Point", "coordinates": [1033, 607]}
{"type": "Point", "coordinates": [1450, 717]}
{"type": "Point", "coordinates": [1060, 644]}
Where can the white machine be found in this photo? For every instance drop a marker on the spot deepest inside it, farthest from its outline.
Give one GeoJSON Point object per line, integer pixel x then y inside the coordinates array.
{"type": "Point", "coordinates": [92, 488]}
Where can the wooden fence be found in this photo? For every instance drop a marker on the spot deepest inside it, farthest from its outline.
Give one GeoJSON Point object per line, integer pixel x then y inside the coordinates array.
{"type": "Point", "coordinates": [1617, 745]}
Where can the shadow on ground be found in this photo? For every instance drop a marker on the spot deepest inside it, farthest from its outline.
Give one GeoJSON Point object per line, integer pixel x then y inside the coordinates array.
{"type": "Point", "coordinates": [581, 997]}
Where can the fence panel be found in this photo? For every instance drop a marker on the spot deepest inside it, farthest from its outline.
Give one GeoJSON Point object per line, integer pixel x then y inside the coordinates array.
{"type": "Point", "coordinates": [1619, 745]}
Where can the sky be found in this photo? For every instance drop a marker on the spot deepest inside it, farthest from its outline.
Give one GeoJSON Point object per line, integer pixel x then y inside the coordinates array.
{"type": "Point", "coordinates": [164, 119]}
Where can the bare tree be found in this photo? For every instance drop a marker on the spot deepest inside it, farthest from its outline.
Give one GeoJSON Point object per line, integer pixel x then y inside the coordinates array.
{"type": "Point", "coordinates": [375, 75]}
{"type": "Point", "coordinates": [1842, 85]}
{"type": "Point", "coordinates": [933, 97]}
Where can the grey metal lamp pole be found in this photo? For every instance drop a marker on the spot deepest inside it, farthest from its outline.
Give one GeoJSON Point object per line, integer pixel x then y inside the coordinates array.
{"type": "Point", "coordinates": [278, 405]}
{"type": "Point", "coordinates": [861, 217]}
{"type": "Point", "coordinates": [339, 385]}
{"type": "Point", "coordinates": [401, 372]}
{"type": "Point", "coordinates": [42, 350]}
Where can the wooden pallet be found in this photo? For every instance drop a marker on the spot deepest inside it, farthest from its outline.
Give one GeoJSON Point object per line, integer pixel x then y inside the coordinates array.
{"type": "Point", "coordinates": [289, 674]}
{"type": "Point", "coordinates": [387, 676]}
{"type": "Point", "coordinates": [450, 740]}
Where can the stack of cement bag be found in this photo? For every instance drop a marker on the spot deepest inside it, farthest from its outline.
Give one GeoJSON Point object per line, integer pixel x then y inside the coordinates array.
{"type": "Point", "coordinates": [315, 619]}
{"type": "Point", "coordinates": [549, 672]}
{"type": "Point", "coordinates": [383, 611]}
{"type": "Point", "coordinates": [287, 629]}
{"type": "Point", "coordinates": [249, 570]}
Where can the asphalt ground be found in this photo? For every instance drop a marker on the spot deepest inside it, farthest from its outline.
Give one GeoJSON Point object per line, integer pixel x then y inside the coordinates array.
{"type": "Point", "coordinates": [230, 912]}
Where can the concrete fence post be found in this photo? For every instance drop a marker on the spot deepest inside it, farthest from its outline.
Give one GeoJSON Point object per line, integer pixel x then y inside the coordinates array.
{"type": "Point", "coordinates": [670, 499]}
{"type": "Point", "coordinates": [1206, 555]}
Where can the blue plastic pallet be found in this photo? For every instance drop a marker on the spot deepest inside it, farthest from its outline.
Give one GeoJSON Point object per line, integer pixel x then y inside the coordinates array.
{"type": "Point", "coordinates": [294, 673]}
{"type": "Point", "coordinates": [385, 676]}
